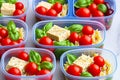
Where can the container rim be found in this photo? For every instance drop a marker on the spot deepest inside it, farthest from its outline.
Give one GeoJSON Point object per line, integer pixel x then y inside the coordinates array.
{"type": "Point", "coordinates": [83, 46]}
{"type": "Point", "coordinates": [7, 52]}
{"type": "Point", "coordinates": [91, 78]}
{"type": "Point", "coordinates": [25, 35]}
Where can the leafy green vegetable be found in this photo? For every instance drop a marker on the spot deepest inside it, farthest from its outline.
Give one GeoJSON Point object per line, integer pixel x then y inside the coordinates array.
{"type": "Point", "coordinates": [54, 1]}
{"type": "Point", "coordinates": [40, 33]}
{"type": "Point", "coordinates": [1, 25]}
{"type": "Point", "coordinates": [86, 74]}
{"type": "Point", "coordinates": [71, 58]}
{"type": "Point", "coordinates": [75, 28]}
{"type": "Point", "coordinates": [11, 1]}
{"type": "Point", "coordinates": [11, 26]}
{"type": "Point", "coordinates": [102, 7]}
{"type": "Point", "coordinates": [14, 35]}
{"type": "Point", "coordinates": [63, 43]}
{"type": "Point", "coordinates": [47, 26]}
{"type": "Point", "coordinates": [34, 57]}
{"type": "Point", "coordinates": [82, 3]}
{"type": "Point", "coordinates": [1, 15]}
{"type": "Point", "coordinates": [1, 1]}
{"type": "Point", "coordinates": [46, 65]}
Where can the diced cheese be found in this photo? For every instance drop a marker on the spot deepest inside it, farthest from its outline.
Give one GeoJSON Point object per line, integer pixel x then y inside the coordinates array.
{"type": "Point", "coordinates": [45, 4]}
{"type": "Point", "coordinates": [16, 62]}
{"type": "Point", "coordinates": [7, 9]}
{"type": "Point", "coordinates": [64, 11]}
{"type": "Point", "coordinates": [83, 61]}
{"type": "Point", "coordinates": [58, 34]}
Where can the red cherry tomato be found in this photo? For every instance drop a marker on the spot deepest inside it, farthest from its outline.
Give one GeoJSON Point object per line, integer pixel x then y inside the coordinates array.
{"type": "Point", "coordinates": [109, 12]}
{"type": "Point", "coordinates": [41, 10]}
{"type": "Point", "coordinates": [46, 58]}
{"type": "Point", "coordinates": [46, 41]}
{"type": "Point", "coordinates": [23, 18]}
{"type": "Point", "coordinates": [6, 41]}
{"type": "Point", "coordinates": [85, 40]}
{"type": "Point", "coordinates": [3, 32]}
{"type": "Point", "coordinates": [94, 69]}
{"type": "Point", "coordinates": [58, 7]}
{"type": "Point", "coordinates": [19, 40]}
{"type": "Point", "coordinates": [73, 37]}
{"type": "Point", "coordinates": [88, 30]}
{"type": "Point", "coordinates": [83, 12]}
{"type": "Point", "coordinates": [13, 43]}
{"type": "Point", "coordinates": [1, 39]}
{"type": "Point", "coordinates": [19, 5]}
{"type": "Point", "coordinates": [18, 12]}
{"type": "Point", "coordinates": [42, 72]}
{"type": "Point", "coordinates": [98, 1]}
{"type": "Point", "coordinates": [31, 68]}
{"type": "Point", "coordinates": [14, 71]}
{"type": "Point", "coordinates": [74, 70]}
{"type": "Point", "coordinates": [92, 7]}
{"type": "Point", "coordinates": [97, 13]}
{"type": "Point", "coordinates": [51, 12]}
{"type": "Point", "coordinates": [99, 61]}
{"type": "Point", "coordinates": [23, 55]}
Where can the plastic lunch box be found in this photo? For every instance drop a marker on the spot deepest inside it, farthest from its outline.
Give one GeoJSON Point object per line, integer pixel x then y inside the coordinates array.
{"type": "Point", "coordinates": [58, 50]}
{"type": "Point", "coordinates": [106, 54]}
{"type": "Point", "coordinates": [12, 52]}
{"type": "Point", "coordinates": [26, 5]}
{"type": "Point", "coordinates": [20, 24]}
{"type": "Point", "coordinates": [107, 20]}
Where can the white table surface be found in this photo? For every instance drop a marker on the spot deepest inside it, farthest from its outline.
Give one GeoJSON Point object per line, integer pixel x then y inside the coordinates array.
{"type": "Point", "coordinates": [112, 40]}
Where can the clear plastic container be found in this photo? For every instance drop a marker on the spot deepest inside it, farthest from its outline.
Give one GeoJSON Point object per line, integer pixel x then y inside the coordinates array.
{"type": "Point", "coordinates": [22, 16]}
{"type": "Point", "coordinates": [12, 52]}
{"type": "Point", "coordinates": [106, 54]}
{"type": "Point", "coordinates": [106, 20]}
{"type": "Point", "coordinates": [58, 50]}
{"type": "Point", "coordinates": [19, 24]}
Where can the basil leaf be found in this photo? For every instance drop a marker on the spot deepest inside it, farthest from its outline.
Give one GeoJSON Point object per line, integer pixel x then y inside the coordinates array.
{"type": "Point", "coordinates": [63, 43]}
{"type": "Point", "coordinates": [1, 15]}
{"type": "Point", "coordinates": [1, 25]}
{"type": "Point", "coordinates": [71, 58]}
{"type": "Point", "coordinates": [46, 65]}
{"type": "Point", "coordinates": [102, 7]}
{"type": "Point", "coordinates": [40, 33]}
{"type": "Point", "coordinates": [47, 26]}
{"type": "Point", "coordinates": [1, 1]}
{"type": "Point", "coordinates": [11, 26]}
{"type": "Point", "coordinates": [11, 1]}
{"type": "Point", "coordinates": [86, 74]}
{"type": "Point", "coordinates": [75, 28]}
{"type": "Point", "coordinates": [35, 57]}
{"type": "Point", "coordinates": [14, 35]}
{"type": "Point", "coordinates": [54, 1]}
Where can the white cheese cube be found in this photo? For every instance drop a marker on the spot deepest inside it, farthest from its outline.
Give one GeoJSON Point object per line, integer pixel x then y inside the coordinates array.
{"type": "Point", "coordinates": [7, 9]}
{"type": "Point", "coordinates": [45, 4]}
{"type": "Point", "coordinates": [18, 63]}
{"type": "Point", "coordinates": [58, 34]}
{"type": "Point", "coordinates": [83, 61]}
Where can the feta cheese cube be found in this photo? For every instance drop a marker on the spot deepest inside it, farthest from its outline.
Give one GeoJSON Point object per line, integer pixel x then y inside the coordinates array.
{"type": "Point", "coordinates": [45, 4]}
{"type": "Point", "coordinates": [83, 61]}
{"type": "Point", "coordinates": [16, 62]}
{"type": "Point", "coordinates": [7, 9]}
{"type": "Point", "coordinates": [58, 34]}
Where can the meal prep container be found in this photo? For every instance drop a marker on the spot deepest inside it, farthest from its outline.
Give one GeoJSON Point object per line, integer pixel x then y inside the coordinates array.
{"type": "Point", "coordinates": [22, 16]}
{"type": "Point", "coordinates": [106, 54]}
{"type": "Point", "coordinates": [14, 52]}
{"type": "Point", "coordinates": [19, 24]}
{"type": "Point", "coordinates": [106, 20]}
{"type": "Point", "coordinates": [58, 50]}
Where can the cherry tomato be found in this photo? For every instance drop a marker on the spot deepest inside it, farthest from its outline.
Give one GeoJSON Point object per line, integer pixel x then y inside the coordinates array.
{"type": "Point", "coordinates": [99, 1]}
{"type": "Point", "coordinates": [31, 68]}
{"type": "Point", "coordinates": [92, 7]}
{"type": "Point", "coordinates": [23, 18]}
{"type": "Point", "coordinates": [14, 71]}
{"type": "Point", "coordinates": [18, 12]}
{"type": "Point", "coordinates": [41, 10]}
{"type": "Point", "coordinates": [19, 5]}
{"type": "Point", "coordinates": [97, 13]}
{"type": "Point", "coordinates": [94, 69]}
{"type": "Point", "coordinates": [88, 30]}
{"type": "Point", "coordinates": [46, 58]}
{"type": "Point", "coordinates": [1, 39]}
{"type": "Point", "coordinates": [58, 7]}
{"type": "Point", "coordinates": [85, 40]}
{"type": "Point", "coordinates": [3, 32]}
{"type": "Point", "coordinates": [99, 61]}
{"type": "Point", "coordinates": [13, 43]}
{"type": "Point", "coordinates": [83, 12]}
{"type": "Point", "coordinates": [109, 12]}
{"type": "Point", "coordinates": [42, 72]}
{"type": "Point", "coordinates": [74, 70]}
{"type": "Point", "coordinates": [51, 12]}
{"type": "Point", "coordinates": [46, 41]}
{"type": "Point", "coordinates": [23, 55]}
{"type": "Point", "coordinates": [6, 41]}
{"type": "Point", "coordinates": [73, 37]}
{"type": "Point", "coordinates": [19, 40]}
